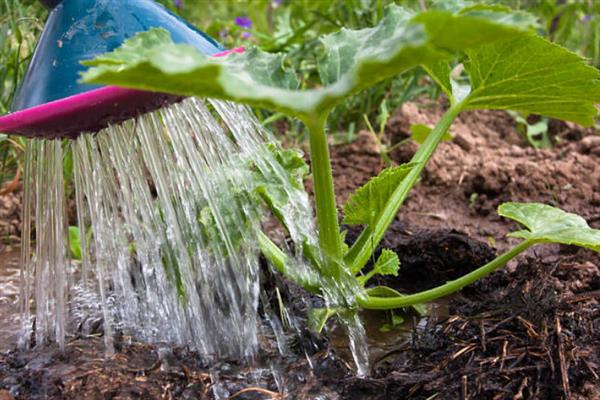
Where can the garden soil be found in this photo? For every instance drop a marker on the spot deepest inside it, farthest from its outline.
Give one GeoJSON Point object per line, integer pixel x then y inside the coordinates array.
{"type": "Point", "coordinates": [528, 331]}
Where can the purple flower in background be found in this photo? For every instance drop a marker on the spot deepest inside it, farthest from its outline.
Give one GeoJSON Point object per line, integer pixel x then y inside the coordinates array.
{"type": "Point", "coordinates": [276, 3]}
{"type": "Point", "coordinates": [246, 35]}
{"type": "Point", "coordinates": [243, 22]}
{"type": "Point", "coordinates": [178, 3]}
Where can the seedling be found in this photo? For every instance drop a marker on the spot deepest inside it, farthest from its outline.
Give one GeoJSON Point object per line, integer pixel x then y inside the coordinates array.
{"type": "Point", "coordinates": [536, 133]}
{"type": "Point", "coordinates": [508, 68]}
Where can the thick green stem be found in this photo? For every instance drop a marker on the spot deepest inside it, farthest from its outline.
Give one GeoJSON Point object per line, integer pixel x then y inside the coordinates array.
{"type": "Point", "coordinates": [327, 216]}
{"type": "Point", "coordinates": [386, 303]}
{"type": "Point", "coordinates": [363, 248]}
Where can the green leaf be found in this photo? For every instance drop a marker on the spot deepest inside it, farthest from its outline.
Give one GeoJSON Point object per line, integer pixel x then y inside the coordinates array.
{"type": "Point", "coordinates": [318, 317]}
{"type": "Point", "coordinates": [533, 76]}
{"type": "Point", "coordinates": [352, 61]}
{"type": "Point", "coordinates": [419, 132]}
{"type": "Point", "coordinates": [151, 61]}
{"type": "Point", "coordinates": [367, 202]}
{"type": "Point", "coordinates": [275, 185]}
{"type": "Point", "coordinates": [440, 73]}
{"type": "Point", "coordinates": [396, 321]}
{"type": "Point", "coordinates": [421, 309]}
{"type": "Point", "coordinates": [388, 263]}
{"type": "Point", "coordinates": [75, 242]}
{"type": "Point", "coordinates": [551, 225]}
{"type": "Point", "coordinates": [345, 247]}
{"type": "Point", "coordinates": [536, 134]}
{"type": "Point", "coordinates": [292, 161]}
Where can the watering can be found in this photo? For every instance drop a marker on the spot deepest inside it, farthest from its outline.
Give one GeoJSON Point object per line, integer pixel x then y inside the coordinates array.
{"type": "Point", "coordinates": [50, 101]}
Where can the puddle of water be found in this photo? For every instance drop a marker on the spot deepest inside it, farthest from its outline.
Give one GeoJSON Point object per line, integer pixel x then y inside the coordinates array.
{"type": "Point", "coordinates": [383, 339]}
{"type": "Point", "coordinates": [9, 299]}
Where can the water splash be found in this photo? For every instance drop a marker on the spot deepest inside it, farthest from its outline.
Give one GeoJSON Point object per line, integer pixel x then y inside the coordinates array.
{"type": "Point", "coordinates": [167, 232]}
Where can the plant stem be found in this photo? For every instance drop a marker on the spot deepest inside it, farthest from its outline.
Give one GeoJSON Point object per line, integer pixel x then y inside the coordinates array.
{"type": "Point", "coordinates": [386, 303]}
{"type": "Point", "coordinates": [279, 259]}
{"type": "Point", "coordinates": [272, 252]}
{"type": "Point", "coordinates": [363, 248]}
{"type": "Point", "coordinates": [327, 216]}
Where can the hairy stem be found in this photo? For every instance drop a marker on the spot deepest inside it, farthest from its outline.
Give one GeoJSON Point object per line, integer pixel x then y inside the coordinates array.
{"type": "Point", "coordinates": [278, 259]}
{"type": "Point", "coordinates": [363, 248]}
{"type": "Point", "coordinates": [327, 216]}
{"type": "Point", "coordinates": [386, 303]}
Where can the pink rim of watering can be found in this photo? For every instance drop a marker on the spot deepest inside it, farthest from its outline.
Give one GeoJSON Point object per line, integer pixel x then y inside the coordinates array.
{"type": "Point", "coordinates": [69, 117]}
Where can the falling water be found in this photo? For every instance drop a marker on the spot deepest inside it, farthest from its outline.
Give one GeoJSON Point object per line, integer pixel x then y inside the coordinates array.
{"type": "Point", "coordinates": [167, 231]}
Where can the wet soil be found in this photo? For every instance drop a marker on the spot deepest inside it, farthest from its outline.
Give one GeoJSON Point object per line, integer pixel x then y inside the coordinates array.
{"type": "Point", "coordinates": [528, 331]}
{"type": "Point", "coordinates": [9, 298]}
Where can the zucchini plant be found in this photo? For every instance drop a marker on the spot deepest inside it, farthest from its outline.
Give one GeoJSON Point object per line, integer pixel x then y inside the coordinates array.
{"type": "Point", "coordinates": [508, 68]}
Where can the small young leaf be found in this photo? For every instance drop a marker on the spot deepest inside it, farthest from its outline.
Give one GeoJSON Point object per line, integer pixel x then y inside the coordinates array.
{"type": "Point", "coordinates": [396, 321]}
{"type": "Point", "coordinates": [271, 182]}
{"type": "Point", "coordinates": [318, 317]}
{"type": "Point", "coordinates": [75, 242]}
{"type": "Point", "coordinates": [536, 133]}
{"type": "Point", "coordinates": [421, 309]}
{"type": "Point", "coordinates": [533, 76]}
{"type": "Point", "coordinates": [368, 201]}
{"type": "Point", "coordinates": [388, 263]}
{"type": "Point", "coordinates": [292, 161]}
{"type": "Point", "coordinates": [419, 132]}
{"type": "Point", "coordinates": [551, 225]}
{"type": "Point", "coordinates": [345, 246]}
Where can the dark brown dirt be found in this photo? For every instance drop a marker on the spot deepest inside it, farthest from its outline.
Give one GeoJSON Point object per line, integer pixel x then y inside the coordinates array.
{"type": "Point", "coordinates": [528, 334]}
{"type": "Point", "coordinates": [488, 163]}
{"type": "Point", "coordinates": [529, 331]}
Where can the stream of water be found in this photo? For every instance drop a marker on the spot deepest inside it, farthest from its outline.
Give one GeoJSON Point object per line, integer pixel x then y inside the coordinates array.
{"type": "Point", "coordinates": [167, 233]}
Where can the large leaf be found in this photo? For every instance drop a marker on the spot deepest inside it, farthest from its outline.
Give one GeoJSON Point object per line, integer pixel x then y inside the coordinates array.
{"type": "Point", "coordinates": [354, 60]}
{"type": "Point", "coordinates": [151, 61]}
{"type": "Point", "coordinates": [550, 224]}
{"type": "Point", "coordinates": [365, 205]}
{"type": "Point", "coordinates": [531, 75]}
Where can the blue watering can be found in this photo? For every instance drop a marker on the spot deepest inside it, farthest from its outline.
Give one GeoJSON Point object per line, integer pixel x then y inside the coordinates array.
{"type": "Point", "coordinates": [50, 101]}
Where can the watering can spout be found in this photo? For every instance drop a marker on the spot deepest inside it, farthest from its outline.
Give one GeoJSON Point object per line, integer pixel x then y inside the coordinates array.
{"type": "Point", "coordinates": [52, 103]}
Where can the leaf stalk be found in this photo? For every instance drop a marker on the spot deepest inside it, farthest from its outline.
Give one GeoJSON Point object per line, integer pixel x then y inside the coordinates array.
{"type": "Point", "coordinates": [327, 216]}
{"type": "Point", "coordinates": [386, 303]}
{"type": "Point", "coordinates": [362, 250]}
